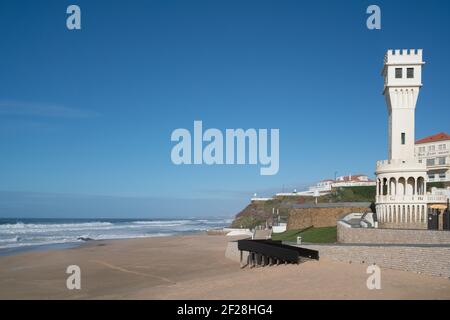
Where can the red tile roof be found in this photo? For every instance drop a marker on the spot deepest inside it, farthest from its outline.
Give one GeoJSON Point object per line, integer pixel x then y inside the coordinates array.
{"type": "Point", "coordinates": [441, 136]}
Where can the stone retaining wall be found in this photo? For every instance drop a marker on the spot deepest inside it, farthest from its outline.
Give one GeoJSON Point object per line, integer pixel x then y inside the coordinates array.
{"type": "Point", "coordinates": [411, 225]}
{"type": "Point", "coordinates": [431, 260]}
{"type": "Point", "coordinates": [345, 234]}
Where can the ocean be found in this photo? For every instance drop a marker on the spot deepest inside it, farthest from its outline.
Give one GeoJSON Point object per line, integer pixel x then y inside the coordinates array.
{"type": "Point", "coordinates": [17, 235]}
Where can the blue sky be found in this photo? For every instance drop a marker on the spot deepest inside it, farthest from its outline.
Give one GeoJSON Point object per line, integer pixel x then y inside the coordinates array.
{"type": "Point", "coordinates": [87, 115]}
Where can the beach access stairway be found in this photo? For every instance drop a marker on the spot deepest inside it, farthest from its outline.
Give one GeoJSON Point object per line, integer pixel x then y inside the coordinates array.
{"type": "Point", "coordinates": [262, 234]}
{"type": "Point", "coordinates": [270, 252]}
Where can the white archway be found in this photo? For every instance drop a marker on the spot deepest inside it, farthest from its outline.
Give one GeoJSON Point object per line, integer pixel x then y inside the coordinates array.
{"type": "Point", "coordinates": [410, 184]}
{"type": "Point", "coordinates": [393, 186]}
{"type": "Point", "coordinates": [401, 186]}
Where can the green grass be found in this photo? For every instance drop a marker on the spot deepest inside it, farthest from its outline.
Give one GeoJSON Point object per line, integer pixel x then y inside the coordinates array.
{"type": "Point", "coordinates": [354, 194]}
{"type": "Point", "coordinates": [288, 235]}
{"type": "Point", "coordinates": [312, 235]}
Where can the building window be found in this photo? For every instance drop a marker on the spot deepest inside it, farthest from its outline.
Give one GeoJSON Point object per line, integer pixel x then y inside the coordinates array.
{"type": "Point", "coordinates": [398, 73]}
{"type": "Point", "coordinates": [431, 148]}
{"type": "Point", "coordinates": [441, 160]}
{"type": "Point", "coordinates": [430, 162]}
{"type": "Point", "coordinates": [420, 160]}
{"type": "Point", "coordinates": [421, 149]}
{"type": "Point", "coordinates": [431, 176]}
{"type": "Point", "coordinates": [410, 73]}
{"type": "Point", "coordinates": [403, 138]}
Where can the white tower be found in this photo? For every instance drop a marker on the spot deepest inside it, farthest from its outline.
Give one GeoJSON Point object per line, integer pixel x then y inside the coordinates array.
{"type": "Point", "coordinates": [402, 81]}
{"type": "Point", "coordinates": [401, 183]}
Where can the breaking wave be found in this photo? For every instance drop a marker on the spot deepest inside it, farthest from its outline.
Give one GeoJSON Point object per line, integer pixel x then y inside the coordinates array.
{"type": "Point", "coordinates": [38, 232]}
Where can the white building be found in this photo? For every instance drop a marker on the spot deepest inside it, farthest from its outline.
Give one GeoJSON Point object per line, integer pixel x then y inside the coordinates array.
{"type": "Point", "coordinates": [357, 180]}
{"type": "Point", "coordinates": [434, 152]}
{"type": "Point", "coordinates": [401, 200]}
{"type": "Point", "coordinates": [323, 186]}
{"type": "Point", "coordinates": [326, 186]}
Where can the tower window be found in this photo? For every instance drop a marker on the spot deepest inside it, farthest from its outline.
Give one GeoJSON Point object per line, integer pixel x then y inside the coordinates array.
{"type": "Point", "coordinates": [403, 138]}
{"type": "Point", "coordinates": [410, 73]}
{"type": "Point", "coordinates": [398, 73]}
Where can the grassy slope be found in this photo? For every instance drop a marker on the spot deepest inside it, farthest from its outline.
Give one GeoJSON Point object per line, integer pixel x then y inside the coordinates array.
{"type": "Point", "coordinates": [312, 235]}
{"type": "Point", "coordinates": [354, 194]}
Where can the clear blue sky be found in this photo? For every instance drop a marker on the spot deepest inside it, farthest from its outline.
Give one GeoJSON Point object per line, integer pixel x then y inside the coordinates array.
{"type": "Point", "coordinates": [86, 116]}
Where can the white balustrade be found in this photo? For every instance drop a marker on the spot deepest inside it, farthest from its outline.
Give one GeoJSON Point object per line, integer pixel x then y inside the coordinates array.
{"type": "Point", "coordinates": [411, 198]}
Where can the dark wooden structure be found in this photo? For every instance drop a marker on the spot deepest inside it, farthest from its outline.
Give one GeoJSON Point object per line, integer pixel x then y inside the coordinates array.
{"type": "Point", "coordinates": [270, 252]}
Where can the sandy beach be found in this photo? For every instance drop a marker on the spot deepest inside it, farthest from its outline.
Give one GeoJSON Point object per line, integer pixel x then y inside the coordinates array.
{"type": "Point", "coordinates": [195, 267]}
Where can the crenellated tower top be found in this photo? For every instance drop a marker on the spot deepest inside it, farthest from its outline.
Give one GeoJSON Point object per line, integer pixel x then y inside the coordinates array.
{"type": "Point", "coordinates": [404, 56]}
{"type": "Point", "coordinates": [402, 68]}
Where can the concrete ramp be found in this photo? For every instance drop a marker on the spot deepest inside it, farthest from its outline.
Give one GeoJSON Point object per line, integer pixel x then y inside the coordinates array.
{"type": "Point", "coordinates": [262, 234]}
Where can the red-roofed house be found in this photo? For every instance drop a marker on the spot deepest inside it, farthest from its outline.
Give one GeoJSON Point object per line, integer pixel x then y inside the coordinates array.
{"type": "Point", "coordinates": [356, 180]}
{"type": "Point", "coordinates": [434, 151]}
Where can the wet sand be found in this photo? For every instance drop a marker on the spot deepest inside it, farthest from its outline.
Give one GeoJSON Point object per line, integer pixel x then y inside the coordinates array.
{"type": "Point", "coordinates": [195, 267]}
